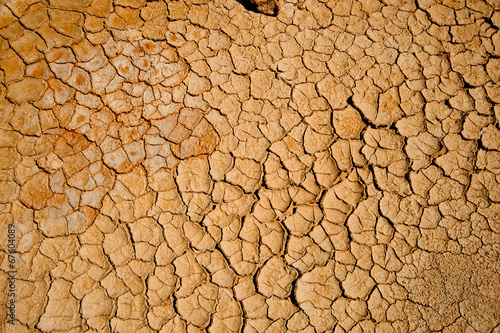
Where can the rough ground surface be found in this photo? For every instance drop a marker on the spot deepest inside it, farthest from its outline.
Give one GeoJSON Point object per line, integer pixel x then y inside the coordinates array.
{"type": "Point", "coordinates": [198, 167]}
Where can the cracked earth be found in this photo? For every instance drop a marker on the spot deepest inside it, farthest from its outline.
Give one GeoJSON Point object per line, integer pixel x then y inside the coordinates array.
{"type": "Point", "coordinates": [195, 166]}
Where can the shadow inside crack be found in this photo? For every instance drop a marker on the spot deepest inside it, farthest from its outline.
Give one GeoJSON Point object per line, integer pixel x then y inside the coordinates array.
{"type": "Point", "coordinates": [270, 9]}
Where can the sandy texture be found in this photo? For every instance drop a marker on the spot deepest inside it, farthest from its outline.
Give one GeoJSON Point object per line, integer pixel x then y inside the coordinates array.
{"type": "Point", "coordinates": [193, 166]}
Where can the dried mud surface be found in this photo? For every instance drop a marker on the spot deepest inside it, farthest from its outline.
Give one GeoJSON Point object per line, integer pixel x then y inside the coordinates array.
{"type": "Point", "coordinates": [193, 166]}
